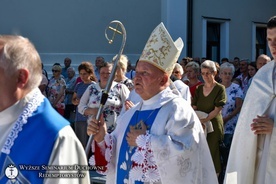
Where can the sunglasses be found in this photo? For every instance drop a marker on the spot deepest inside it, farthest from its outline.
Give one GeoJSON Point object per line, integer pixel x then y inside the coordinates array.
{"type": "Point", "coordinates": [54, 71]}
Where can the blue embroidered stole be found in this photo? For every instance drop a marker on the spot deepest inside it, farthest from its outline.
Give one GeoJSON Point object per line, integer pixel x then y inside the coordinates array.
{"type": "Point", "coordinates": [126, 152]}
{"type": "Point", "coordinates": [34, 144]}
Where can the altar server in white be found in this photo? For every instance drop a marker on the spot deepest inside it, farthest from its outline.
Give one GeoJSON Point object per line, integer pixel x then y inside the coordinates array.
{"type": "Point", "coordinates": [252, 158]}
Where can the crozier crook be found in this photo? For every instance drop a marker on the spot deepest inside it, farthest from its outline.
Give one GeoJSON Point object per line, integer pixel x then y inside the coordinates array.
{"type": "Point", "coordinates": [111, 77]}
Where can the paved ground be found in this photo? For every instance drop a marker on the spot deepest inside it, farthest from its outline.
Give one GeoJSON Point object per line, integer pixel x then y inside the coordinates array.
{"type": "Point", "coordinates": [96, 178]}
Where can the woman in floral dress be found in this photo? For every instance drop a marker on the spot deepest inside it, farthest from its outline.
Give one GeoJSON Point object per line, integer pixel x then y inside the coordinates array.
{"type": "Point", "coordinates": [230, 111]}
{"type": "Point", "coordinates": [117, 95]}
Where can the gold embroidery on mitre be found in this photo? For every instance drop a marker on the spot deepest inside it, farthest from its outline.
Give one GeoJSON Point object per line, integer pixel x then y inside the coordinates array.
{"type": "Point", "coordinates": [160, 50]}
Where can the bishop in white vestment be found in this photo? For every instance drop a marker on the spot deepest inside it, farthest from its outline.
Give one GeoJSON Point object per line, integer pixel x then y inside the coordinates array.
{"type": "Point", "coordinates": [160, 139]}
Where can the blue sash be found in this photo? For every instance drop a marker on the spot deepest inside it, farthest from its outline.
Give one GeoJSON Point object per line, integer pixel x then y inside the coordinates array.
{"type": "Point", "coordinates": [33, 146]}
{"type": "Point", "coordinates": [126, 152]}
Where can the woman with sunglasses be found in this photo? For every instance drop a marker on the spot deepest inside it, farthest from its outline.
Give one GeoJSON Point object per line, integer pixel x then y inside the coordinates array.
{"type": "Point", "coordinates": [56, 89]}
{"type": "Point", "coordinates": [210, 98]}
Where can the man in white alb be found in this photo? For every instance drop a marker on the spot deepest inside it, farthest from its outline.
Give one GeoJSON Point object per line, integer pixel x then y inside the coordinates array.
{"type": "Point", "coordinates": [253, 151]}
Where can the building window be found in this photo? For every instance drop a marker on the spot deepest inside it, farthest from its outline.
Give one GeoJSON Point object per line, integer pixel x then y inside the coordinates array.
{"type": "Point", "coordinates": [215, 38]}
{"type": "Point", "coordinates": [213, 41]}
{"type": "Point", "coordinates": [260, 41]}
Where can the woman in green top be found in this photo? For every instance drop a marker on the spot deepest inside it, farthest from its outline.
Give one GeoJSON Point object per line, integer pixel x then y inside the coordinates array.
{"type": "Point", "coordinates": [210, 98]}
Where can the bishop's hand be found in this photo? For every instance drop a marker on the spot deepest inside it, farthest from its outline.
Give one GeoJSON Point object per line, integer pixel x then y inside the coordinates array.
{"type": "Point", "coordinates": [97, 128]}
{"type": "Point", "coordinates": [134, 133]}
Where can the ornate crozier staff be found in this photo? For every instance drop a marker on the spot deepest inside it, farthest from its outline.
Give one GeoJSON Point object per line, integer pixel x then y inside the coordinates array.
{"type": "Point", "coordinates": [111, 78]}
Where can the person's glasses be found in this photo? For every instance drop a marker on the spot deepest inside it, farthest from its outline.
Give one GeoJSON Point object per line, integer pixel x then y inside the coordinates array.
{"type": "Point", "coordinates": [227, 73]}
{"type": "Point", "coordinates": [206, 73]}
{"type": "Point", "coordinates": [55, 71]}
{"type": "Point", "coordinates": [176, 72]}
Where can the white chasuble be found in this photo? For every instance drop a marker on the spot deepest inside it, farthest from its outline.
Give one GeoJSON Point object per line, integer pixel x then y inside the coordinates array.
{"type": "Point", "coordinates": [252, 158]}
{"type": "Point", "coordinates": [174, 150]}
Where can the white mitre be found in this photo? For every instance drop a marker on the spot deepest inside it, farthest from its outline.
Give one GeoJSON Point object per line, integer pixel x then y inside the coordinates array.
{"type": "Point", "coordinates": [161, 51]}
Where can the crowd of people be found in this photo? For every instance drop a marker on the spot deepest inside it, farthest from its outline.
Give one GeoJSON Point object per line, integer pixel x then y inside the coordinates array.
{"type": "Point", "coordinates": [194, 116]}
{"type": "Point", "coordinates": [215, 91]}
{"type": "Point", "coordinates": [218, 90]}
{"type": "Point", "coordinates": [77, 98]}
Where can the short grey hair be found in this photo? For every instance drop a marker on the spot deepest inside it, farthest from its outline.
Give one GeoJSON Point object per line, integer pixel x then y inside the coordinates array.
{"type": "Point", "coordinates": [245, 60]}
{"type": "Point", "coordinates": [179, 67]}
{"type": "Point", "coordinates": [227, 66]}
{"type": "Point", "coordinates": [19, 53]}
{"type": "Point", "coordinates": [194, 66]}
{"type": "Point", "coordinates": [209, 65]}
{"type": "Point", "coordinates": [71, 68]}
